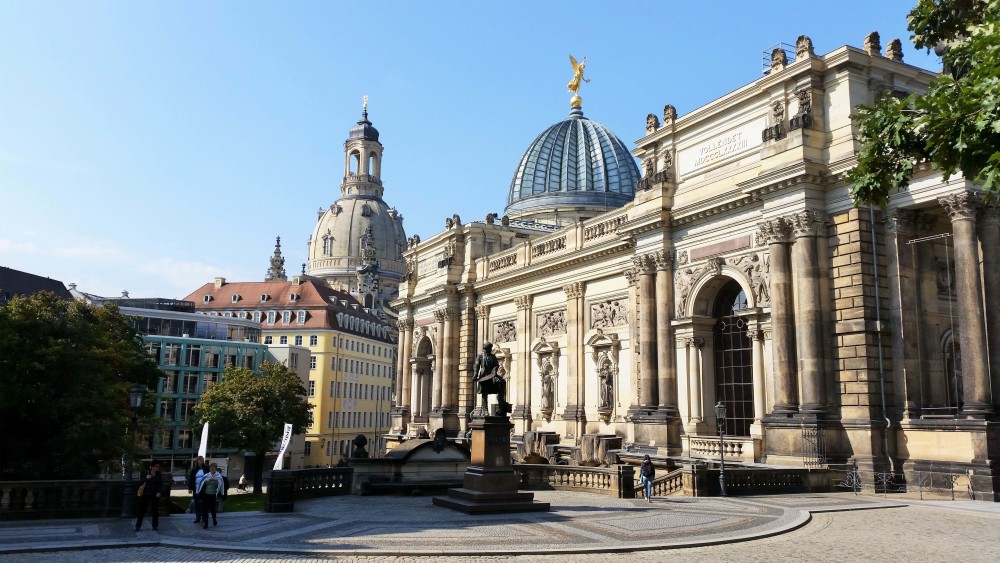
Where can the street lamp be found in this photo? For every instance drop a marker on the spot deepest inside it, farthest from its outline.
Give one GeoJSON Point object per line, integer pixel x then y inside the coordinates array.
{"type": "Point", "coordinates": [720, 419]}
{"type": "Point", "coordinates": [135, 396]}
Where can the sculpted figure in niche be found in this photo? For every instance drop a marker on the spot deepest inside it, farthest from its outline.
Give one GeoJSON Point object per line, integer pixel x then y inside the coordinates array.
{"type": "Point", "coordinates": [650, 167]}
{"type": "Point", "coordinates": [547, 384]}
{"type": "Point", "coordinates": [683, 290]}
{"type": "Point", "coordinates": [894, 52]}
{"type": "Point", "coordinates": [652, 123]}
{"type": "Point", "coordinates": [777, 112]}
{"type": "Point", "coordinates": [757, 271]}
{"type": "Point", "coordinates": [606, 375]}
{"type": "Point", "coordinates": [778, 59]}
{"type": "Point", "coordinates": [668, 161]}
{"type": "Point", "coordinates": [488, 380]}
{"type": "Point", "coordinates": [804, 48]}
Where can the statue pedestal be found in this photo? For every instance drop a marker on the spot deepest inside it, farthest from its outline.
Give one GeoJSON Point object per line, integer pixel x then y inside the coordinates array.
{"type": "Point", "coordinates": [490, 484]}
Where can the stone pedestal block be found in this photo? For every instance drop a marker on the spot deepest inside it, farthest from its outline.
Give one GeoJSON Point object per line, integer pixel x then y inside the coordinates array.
{"type": "Point", "coordinates": [490, 484]}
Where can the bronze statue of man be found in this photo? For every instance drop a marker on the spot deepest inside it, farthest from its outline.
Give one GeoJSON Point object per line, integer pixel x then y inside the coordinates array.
{"type": "Point", "coordinates": [486, 375]}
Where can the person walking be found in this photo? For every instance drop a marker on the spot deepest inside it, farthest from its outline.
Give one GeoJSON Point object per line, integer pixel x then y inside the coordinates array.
{"type": "Point", "coordinates": [646, 474]}
{"type": "Point", "coordinates": [243, 483]}
{"type": "Point", "coordinates": [151, 483]}
{"type": "Point", "coordinates": [197, 470]}
{"type": "Point", "coordinates": [209, 487]}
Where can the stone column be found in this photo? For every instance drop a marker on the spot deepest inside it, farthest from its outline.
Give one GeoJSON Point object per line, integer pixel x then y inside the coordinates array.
{"type": "Point", "coordinates": [759, 392]}
{"type": "Point", "coordinates": [903, 306]}
{"type": "Point", "coordinates": [522, 402]}
{"type": "Point", "coordinates": [694, 378]}
{"type": "Point", "coordinates": [666, 351]}
{"type": "Point", "coordinates": [971, 318]}
{"type": "Point", "coordinates": [574, 413]}
{"type": "Point", "coordinates": [403, 372]}
{"type": "Point", "coordinates": [449, 369]}
{"type": "Point", "coordinates": [439, 355]}
{"type": "Point", "coordinates": [648, 393]}
{"type": "Point", "coordinates": [989, 238]}
{"type": "Point", "coordinates": [777, 232]}
{"type": "Point", "coordinates": [808, 311]}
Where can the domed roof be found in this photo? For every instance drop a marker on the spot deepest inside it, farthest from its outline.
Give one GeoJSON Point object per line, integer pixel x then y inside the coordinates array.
{"type": "Point", "coordinates": [576, 164]}
{"type": "Point", "coordinates": [336, 244]}
{"type": "Point", "coordinates": [364, 129]}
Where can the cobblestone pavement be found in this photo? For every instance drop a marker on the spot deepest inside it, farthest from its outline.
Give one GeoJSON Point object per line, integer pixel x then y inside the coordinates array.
{"type": "Point", "coordinates": [839, 530]}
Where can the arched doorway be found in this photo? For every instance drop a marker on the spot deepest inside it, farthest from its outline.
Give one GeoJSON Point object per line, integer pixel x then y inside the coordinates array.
{"type": "Point", "coordinates": [733, 359]}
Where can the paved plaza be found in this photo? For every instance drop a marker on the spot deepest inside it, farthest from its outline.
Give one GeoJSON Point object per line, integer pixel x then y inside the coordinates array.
{"type": "Point", "coordinates": [580, 527]}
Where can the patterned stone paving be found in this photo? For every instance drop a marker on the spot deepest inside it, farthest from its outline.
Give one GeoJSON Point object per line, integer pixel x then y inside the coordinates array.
{"type": "Point", "coordinates": [578, 523]}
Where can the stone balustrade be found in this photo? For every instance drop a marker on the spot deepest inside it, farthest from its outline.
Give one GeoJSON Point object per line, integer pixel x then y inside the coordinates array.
{"type": "Point", "coordinates": [617, 481]}
{"type": "Point", "coordinates": [94, 498]}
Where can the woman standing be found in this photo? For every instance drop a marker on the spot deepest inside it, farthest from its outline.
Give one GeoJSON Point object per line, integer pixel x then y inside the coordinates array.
{"type": "Point", "coordinates": [646, 474]}
{"type": "Point", "coordinates": [151, 484]}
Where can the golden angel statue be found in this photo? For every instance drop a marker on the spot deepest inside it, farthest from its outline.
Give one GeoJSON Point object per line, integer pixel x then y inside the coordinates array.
{"type": "Point", "coordinates": [574, 85]}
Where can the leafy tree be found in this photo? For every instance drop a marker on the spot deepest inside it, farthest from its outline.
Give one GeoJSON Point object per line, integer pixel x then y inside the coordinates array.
{"type": "Point", "coordinates": [955, 125]}
{"type": "Point", "coordinates": [65, 372]}
{"type": "Point", "coordinates": [249, 411]}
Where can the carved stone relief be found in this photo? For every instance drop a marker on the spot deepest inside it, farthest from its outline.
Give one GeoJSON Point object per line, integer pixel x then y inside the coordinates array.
{"type": "Point", "coordinates": [778, 59]}
{"type": "Point", "coordinates": [504, 331]}
{"type": "Point", "coordinates": [551, 324]}
{"type": "Point", "coordinates": [652, 123]}
{"type": "Point", "coordinates": [755, 266]}
{"type": "Point", "coordinates": [804, 48]}
{"type": "Point", "coordinates": [608, 314]}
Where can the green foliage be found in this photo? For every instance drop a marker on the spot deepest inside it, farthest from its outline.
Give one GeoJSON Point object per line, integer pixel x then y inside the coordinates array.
{"type": "Point", "coordinates": [249, 411]}
{"type": "Point", "coordinates": [955, 125]}
{"type": "Point", "coordinates": [65, 372]}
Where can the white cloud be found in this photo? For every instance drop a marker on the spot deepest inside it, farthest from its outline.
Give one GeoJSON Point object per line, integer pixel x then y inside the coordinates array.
{"type": "Point", "coordinates": [8, 246]}
{"type": "Point", "coordinates": [91, 253]}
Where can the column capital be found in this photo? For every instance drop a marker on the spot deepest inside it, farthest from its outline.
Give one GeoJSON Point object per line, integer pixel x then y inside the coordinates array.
{"type": "Point", "coordinates": [522, 302]}
{"type": "Point", "coordinates": [900, 221]}
{"type": "Point", "coordinates": [644, 263]}
{"type": "Point", "coordinates": [775, 231]}
{"type": "Point", "coordinates": [632, 276]}
{"type": "Point", "coordinates": [664, 260]}
{"type": "Point", "coordinates": [482, 311]}
{"type": "Point", "coordinates": [444, 314]}
{"type": "Point", "coordinates": [695, 341]}
{"type": "Point", "coordinates": [808, 223]}
{"type": "Point", "coordinates": [961, 206]}
{"type": "Point", "coordinates": [991, 213]}
{"type": "Point", "coordinates": [573, 290]}
{"type": "Point", "coordinates": [405, 324]}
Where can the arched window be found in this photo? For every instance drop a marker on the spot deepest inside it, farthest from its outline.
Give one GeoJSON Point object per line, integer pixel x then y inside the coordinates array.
{"type": "Point", "coordinates": [371, 163]}
{"type": "Point", "coordinates": [733, 359]}
{"type": "Point", "coordinates": [355, 162]}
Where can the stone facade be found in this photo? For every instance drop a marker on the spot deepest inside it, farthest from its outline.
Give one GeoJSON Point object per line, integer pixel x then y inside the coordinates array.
{"type": "Point", "coordinates": [741, 272]}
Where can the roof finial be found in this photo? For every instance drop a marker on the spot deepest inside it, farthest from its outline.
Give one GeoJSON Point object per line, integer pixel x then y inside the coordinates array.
{"type": "Point", "coordinates": [364, 105]}
{"type": "Point", "coordinates": [277, 269]}
{"type": "Point", "coordinates": [574, 84]}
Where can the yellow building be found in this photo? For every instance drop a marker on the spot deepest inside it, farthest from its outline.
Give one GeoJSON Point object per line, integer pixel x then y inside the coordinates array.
{"type": "Point", "coordinates": [351, 360]}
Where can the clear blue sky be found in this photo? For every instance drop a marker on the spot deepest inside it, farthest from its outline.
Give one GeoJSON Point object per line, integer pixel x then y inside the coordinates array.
{"type": "Point", "coordinates": [150, 146]}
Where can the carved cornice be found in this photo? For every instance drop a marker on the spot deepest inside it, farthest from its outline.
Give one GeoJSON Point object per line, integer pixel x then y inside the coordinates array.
{"type": "Point", "coordinates": [573, 290]}
{"type": "Point", "coordinates": [775, 231]}
{"type": "Point", "coordinates": [809, 223]}
{"type": "Point", "coordinates": [961, 206]}
{"type": "Point", "coordinates": [522, 302]}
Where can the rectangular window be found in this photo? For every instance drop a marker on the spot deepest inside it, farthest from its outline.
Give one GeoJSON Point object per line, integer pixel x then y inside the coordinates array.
{"type": "Point", "coordinates": [268, 340]}
{"type": "Point", "coordinates": [328, 444]}
{"type": "Point", "coordinates": [312, 362]}
{"type": "Point", "coordinates": [187, 409]}
{"type": "Point", "coordinates": [310, 420]}
{"type": "Point", "coordinates": [248, 362]}
{"type": "Point", "coordinates": [193, 355]}
{"type": "Point", "coordinates": [312, 389]}
{"type": "Point", "coordinates": [329, 419]}
{"type": "Point", "coordinates": [190, 384]}
{"type": "Point", "coordinates": [286, 317]}
{"type": "Point", "coordinates": [301, 317]}
{"type": "Point", "coordinates": [282, 339]}
{"type": "Point", "coordinates": [168, 409]}
{"type": "Point", "coordinates": [309, 445]}
{"type": "Point", "coordinates": [184, 439]}
{"type": "Point", "coordinates": [313, 340]}
{"type": "Point", "coordinates": [331, 388]}
{"type": "Point", "coordinates": [293, 361]}
{"type": "Point", "coordinates": [271, 316]}
{"type": "Point", "coordinates": [298, 340]}
{"type": "Point", "coordinates": [166, 439]}
{"type": "Point", "coordinates": [256, 316]}
{"type": "Point", "coordinates": [172, 356]}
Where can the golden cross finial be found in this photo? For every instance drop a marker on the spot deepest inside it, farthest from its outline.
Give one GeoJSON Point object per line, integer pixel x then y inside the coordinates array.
{"type": "Point", "coordinates": [364, 106]}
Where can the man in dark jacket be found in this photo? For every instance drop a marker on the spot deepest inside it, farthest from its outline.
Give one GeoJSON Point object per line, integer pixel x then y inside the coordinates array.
{"type": "Point", "coordinates": [646, 475]}
{"type": "Point", "coordinates": [199, 467]}
{"type": "Point", "coordinates": [151, 484]}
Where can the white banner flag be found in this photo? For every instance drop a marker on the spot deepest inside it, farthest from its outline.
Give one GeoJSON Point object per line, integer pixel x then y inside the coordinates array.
{"type": "Point", "coordinates": [203, 449]}
{"type": "Point", "coordinates": [279, 464]}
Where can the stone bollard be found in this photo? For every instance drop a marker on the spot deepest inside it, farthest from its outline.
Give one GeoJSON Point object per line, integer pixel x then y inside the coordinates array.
{"type": "Point", "coordinates": [280, 493]}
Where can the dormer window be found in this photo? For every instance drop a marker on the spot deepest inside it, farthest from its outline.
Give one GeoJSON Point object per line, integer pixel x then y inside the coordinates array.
{"type": "Point", "coordinates": [206, 299]}
{"type": "Point", "coordinates": [271, 316]}
{"type": "Point", "coordinates": [293, 297]}
{"type": "Point", "coordinates": [327, 244]}
{"type": "Point", "coordinates": [264, 297]}
{"type": "Point", "coordinates": [256, 316]}
{"type": "Point", "coordinates": [300, 317]}
{"type": "Point", "coordinates": [286, 317]}
{"type": "Point", "coordinates": [236, 298]}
